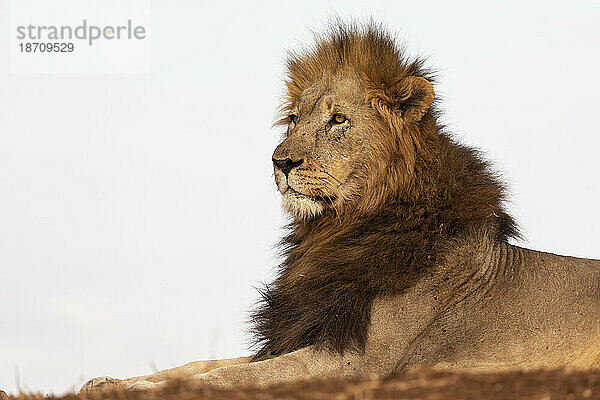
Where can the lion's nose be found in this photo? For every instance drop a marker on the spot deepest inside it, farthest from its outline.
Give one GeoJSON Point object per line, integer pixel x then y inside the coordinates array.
{"type": "Point", "coordinates": [286, 165]}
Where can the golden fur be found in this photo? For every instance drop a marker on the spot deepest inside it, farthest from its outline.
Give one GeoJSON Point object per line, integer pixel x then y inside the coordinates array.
{"type": "Point", "coordinates": [397, 253]}
{"type": "Point", "coordinates": [404, 190]}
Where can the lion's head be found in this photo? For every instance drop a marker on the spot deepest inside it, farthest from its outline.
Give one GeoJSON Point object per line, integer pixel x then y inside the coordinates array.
{"type": "Point", "coordinates": [378, 189]}
{"type": "Point", "coordinates": [354, 112]}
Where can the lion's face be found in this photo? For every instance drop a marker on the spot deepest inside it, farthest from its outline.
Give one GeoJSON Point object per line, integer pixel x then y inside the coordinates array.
{"type": "Point", "coordinates": [329, 139]}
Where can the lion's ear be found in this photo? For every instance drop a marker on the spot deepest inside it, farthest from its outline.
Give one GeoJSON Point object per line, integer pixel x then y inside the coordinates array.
{"type": "Point", "coordinates": [413, 96]}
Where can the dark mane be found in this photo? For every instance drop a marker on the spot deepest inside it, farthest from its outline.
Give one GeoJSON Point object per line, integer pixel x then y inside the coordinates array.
{"type": "Point", "coordinates": [433, 191]}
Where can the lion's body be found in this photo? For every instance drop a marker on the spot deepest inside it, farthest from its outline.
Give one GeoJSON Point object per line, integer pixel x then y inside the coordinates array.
{"type": "Point", "coordinates": [398, 254]}
{"type": "Point", "coordinates": [508, 308]}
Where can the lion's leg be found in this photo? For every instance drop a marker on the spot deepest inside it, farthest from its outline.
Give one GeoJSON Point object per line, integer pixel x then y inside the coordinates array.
{"type": "Point", "coordinates": [303, 364]}
{"type": "Point", "coordinates": [177, 373]}
{"type": "Point", "coordinates": [190, 369]}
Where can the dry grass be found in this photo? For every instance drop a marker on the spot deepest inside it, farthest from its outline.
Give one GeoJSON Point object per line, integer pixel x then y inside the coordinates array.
{"type": "Point", "coordinates": [420, 384]}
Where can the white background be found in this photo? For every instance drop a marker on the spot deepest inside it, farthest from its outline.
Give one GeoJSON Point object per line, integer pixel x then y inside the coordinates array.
{"type": "Point", "coordinates": [138, 210]}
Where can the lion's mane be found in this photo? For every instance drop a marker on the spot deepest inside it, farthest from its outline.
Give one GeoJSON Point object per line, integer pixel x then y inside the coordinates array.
{"type": "Point", "coordinates": [426, 192]}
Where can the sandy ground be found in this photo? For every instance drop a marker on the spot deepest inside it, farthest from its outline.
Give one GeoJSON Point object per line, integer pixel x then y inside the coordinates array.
{"type": "Point", "coordinates": [421, 384]}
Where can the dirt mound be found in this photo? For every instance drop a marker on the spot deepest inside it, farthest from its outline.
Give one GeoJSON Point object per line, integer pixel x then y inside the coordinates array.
{"type": "Point", "coordinates": [421, 384]}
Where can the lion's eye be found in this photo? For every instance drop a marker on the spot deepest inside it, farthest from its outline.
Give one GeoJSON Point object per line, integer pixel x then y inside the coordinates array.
{"type": "Point", "coordinates": [293, 118]}
{"type": "Point", "coordinates": [338, 119]}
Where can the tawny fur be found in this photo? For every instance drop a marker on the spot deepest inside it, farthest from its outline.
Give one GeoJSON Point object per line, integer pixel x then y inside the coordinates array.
{"type": "Point", "coordinates": [422, 192]}
{"type": "Point", "coordinates": [398, 252]}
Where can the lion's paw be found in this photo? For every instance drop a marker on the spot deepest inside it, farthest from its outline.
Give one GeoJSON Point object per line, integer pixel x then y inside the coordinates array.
{"type": "Point", "coordinates": [103, 384]}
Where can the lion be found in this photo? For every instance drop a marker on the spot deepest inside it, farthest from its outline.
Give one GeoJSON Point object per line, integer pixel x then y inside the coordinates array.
{"type": "Point", "coordinates": [398, 251]}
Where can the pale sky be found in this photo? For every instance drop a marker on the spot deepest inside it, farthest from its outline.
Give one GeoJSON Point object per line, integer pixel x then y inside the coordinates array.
{"type": "Point", "coordinates": [138, 210]}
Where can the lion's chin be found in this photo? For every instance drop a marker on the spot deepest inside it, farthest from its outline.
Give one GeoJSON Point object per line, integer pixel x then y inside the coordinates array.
{"type": "Point", "coordinates": [300, 206]}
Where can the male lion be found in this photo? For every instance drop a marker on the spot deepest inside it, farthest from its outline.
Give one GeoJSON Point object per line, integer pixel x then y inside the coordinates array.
{"type": "Point", "coordinates": [398, 252]}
